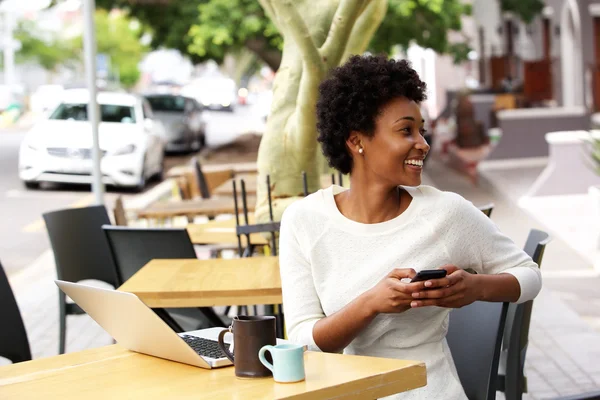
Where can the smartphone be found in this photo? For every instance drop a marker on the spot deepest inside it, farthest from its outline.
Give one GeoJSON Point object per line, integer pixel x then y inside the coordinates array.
{"type": "Point", "coordinates": [427, 274]}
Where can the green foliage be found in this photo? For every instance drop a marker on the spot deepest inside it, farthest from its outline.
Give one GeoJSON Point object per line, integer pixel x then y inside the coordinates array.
{"type": "Point", "coordinates": [44, 48]}
{"type": "Point", "coordinates": [209, 29]}
{"type": "Point", "coordinates": [527, 10]}
{"type": "Point", "coordinates": [424, 22]}
{"type": "Point", "coordinates": [226, 25]}
{"type": "Point", "coordinates": [169, 23]}
{"type": "Point", "coordinates": [119, 38]}
{"type": "Point", "coordinates": [592, 147]}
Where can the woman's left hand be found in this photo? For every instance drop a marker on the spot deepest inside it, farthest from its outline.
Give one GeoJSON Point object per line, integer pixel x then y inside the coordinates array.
{"type": "Point", "coordinates": [458, 289]}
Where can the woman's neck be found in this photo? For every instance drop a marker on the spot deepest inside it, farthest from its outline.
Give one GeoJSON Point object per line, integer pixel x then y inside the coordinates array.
{"type": "Point", "coordinates": [371, 204]}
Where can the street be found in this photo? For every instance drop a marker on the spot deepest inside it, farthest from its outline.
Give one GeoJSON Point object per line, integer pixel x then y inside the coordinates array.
{"type": "Point", "coordinates": [23, 235]}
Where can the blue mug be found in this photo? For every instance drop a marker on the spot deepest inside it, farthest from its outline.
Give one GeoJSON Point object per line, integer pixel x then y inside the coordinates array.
{"type": "Point", "coordinates": [288, 362]}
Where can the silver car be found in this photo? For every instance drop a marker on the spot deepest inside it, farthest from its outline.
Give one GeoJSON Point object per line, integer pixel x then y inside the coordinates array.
{"type": "Point", "coordinates": [183, 119]}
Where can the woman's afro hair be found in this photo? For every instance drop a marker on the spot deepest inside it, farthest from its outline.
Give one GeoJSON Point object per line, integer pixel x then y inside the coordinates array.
{"type": "Point", "coordinates": [353, 95]}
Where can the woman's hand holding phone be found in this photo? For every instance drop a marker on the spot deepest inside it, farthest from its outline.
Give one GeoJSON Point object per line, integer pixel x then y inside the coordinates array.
{"type": "Point", "coordinates": [391, 295]}
{"type": "Point", "coordinates": [459, 288]}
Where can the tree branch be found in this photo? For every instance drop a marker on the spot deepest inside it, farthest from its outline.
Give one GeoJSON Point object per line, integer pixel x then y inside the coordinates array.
{"type": "Point", "coordinates": [365, 28]}
{"type": "Point", "coordinates": [260, 46]}
{"type": "Point", "coordinates": [270, 12]}
{"type": "Point", "coordinates": [296, 27]}
{"type": "Point", "coordinates": [341, 27]}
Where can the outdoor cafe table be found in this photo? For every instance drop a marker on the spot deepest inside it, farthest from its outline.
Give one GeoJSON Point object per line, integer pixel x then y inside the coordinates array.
{"type": "Point", "coordinates": [112, 372]}
{"type": "Point", "coordinates": [191, 208]}
{"type": "Point", "coordinates": [250, 182]}
{"type": "Point", "coordinates": [206, 283]}
{"type": "Point", "coordinates": [222, 233]}
{"type": "Point", "coordinates": [238, 168]}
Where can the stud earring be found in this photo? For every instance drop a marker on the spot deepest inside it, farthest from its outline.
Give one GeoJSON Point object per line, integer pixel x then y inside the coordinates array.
{"type": "Point", "coordinates": [360, 150]}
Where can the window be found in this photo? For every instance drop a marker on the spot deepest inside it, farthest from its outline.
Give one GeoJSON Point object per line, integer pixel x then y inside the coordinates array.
{"type": "Point", "coordinates": [167, 103]}
{"type": "Point", "coordinates": [108, 112]}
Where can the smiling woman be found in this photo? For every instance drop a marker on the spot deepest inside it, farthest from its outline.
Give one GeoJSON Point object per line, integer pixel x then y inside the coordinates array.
{"type": "Point", "coordinates": [345, 255]}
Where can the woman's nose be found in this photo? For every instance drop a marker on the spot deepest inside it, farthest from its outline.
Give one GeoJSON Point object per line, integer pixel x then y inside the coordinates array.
{"type": "Point", "coordinates": [422, 144]}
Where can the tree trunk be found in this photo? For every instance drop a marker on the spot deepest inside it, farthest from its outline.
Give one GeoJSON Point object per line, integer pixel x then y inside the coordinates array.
{"type": "Point", "coordinates": [317, 36]}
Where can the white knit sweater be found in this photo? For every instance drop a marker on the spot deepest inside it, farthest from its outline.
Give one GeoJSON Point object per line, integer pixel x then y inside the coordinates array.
{"type": "Point", "coordinates": [327, 260]}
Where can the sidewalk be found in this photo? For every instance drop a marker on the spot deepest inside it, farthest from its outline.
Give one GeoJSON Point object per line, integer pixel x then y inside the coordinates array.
{"type": "Point", "coordinates": [564, 345]}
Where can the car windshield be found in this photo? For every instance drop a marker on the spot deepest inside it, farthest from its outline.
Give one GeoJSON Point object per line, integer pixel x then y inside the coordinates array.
{"type": "Point", "coordinates": [109, 112]}
{"type": "Point", "coordinates": [167, 103]}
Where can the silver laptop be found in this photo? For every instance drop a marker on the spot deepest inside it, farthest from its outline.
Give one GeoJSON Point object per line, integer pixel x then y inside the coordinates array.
{"type": "Point", "coordinates": [136, 327]}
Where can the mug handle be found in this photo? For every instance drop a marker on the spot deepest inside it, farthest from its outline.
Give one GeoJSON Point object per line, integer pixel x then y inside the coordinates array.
{"type": "Point", "coordinates": [261, 356]}
{"type": "Point", "coordinates": [222, 345]}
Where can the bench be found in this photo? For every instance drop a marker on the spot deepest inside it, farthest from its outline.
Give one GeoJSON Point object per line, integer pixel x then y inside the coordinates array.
{"type": "Point", "coordinates": [523, 129]}
{"type": "Point", "coordinates": [570, 168]}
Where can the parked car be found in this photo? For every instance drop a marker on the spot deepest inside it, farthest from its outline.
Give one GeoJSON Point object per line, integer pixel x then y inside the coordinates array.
{"type": "Point", "coordinates": [183, 119]}
{"type": "Point", "coordinates": [214, 93]}
{"type": "Point", "coordinates": [59, 149]}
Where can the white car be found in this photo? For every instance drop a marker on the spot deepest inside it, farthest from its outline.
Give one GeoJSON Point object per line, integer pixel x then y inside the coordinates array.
{"type": "Point", "coordinates": [59, 149]}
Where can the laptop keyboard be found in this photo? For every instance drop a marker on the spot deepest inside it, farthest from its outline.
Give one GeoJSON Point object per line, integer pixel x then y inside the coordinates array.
{"type": "Point", "coordinates": [204, 347]}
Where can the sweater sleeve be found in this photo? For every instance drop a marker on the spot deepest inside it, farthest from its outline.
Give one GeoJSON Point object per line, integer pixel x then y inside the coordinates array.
{"type": "Point", "coordinates": [474, 241]}
{"type": "Point", "coordinates": [302, 307]}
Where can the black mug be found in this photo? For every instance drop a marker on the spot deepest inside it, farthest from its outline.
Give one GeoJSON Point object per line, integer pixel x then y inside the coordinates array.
{"type": "Point", "coordinates": [250, 334]}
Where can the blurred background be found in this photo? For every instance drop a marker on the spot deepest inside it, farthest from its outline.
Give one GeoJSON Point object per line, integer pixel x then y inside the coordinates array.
{"type": "Point", "coordinates": [512, 111]}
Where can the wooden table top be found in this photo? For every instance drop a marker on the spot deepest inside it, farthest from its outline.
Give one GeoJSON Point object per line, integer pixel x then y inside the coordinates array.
{"type": "Point", "coordinates": [238, 168]}
{"type": "Point", "coordinates": [207, 283]}
{"type": "Point", "coordinates": [112, 372]}
{"type": "Point", "coordinates": [222, 232]}
{"type": "Point", "coordinates": [209, 207]}
{"type": "Point", "coordinates": [226, 188]}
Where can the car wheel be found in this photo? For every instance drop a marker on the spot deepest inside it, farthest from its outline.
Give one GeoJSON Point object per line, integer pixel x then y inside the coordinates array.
{"type": "Point", "coordinates": [160, 175]}
{"type": "Point", "coordinates": [196, 144]}
{"type": "Point", "coordinates": [31, 184]}
{"type": "Point", "coordinates": [142, 182]}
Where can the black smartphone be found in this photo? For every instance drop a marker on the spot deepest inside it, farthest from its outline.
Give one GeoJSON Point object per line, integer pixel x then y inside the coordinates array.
{"type": "Point", "coordinates": [427, 274]}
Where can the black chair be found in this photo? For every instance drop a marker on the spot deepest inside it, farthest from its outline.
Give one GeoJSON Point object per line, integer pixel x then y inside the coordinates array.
{"type": "Point", "coordinates": [80, 252]}
{"type": "Point", "coordinates": [202, 183]}
{"type": "Point", "coordinates": [475, 338]}
{"type": "Point", "coordinates": [487, 209]}
{"type": "Point", "coordinates": [511, 377]}
{"type": "Point", "coordinates": [13, 337]}
{"type": "Point", "coordinates": [132, 248]}
{"type": "Point", "coordinates": [247, 229]}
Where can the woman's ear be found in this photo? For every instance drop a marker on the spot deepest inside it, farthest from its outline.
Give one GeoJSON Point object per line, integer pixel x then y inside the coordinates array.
{"type": "Point", "coordinates": [354, 143]}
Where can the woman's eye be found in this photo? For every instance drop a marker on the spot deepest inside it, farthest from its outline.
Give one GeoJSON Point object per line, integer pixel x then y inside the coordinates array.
{"type": "Point", "coordinates": [423, 132]}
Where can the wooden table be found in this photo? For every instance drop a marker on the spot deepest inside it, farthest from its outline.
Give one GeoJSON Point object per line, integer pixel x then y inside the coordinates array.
{"type": "Point", "coordinates": [112, 372]}
{"type": "Point", "coordinates": [191, 208]}
{"type": "Point", "coordinates": [226, 189]}
{"type": "Point", "coordinates": [222, 232]}
{"type": "Point", "coordinates": [238, 168]}
{"type": "Point", "coordinates": [207, 283]}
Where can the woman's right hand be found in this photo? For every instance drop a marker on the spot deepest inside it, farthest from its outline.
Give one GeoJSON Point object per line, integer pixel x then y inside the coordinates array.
{"type": "Point", "coordinates": [391, 295]}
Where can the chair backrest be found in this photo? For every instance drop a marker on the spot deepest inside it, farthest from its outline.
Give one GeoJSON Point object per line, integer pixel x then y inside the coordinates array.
{"type": "Point", "coordinates": [475, 337]}
{"type": "Point", "coordinates": [13, 337]}
{"type": "Point", "coordinates": [516, 333]}
{"type": "Point", "coordinates": [487, 209]}
{"type": "Point", "coordinates": [202, 184]}
{"type": "Point", "coordinates": [119, 212]}
{"type": "Point", "coordinates": [79, 246]}
{"type": "Point", "coordinates": [132, 248]}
